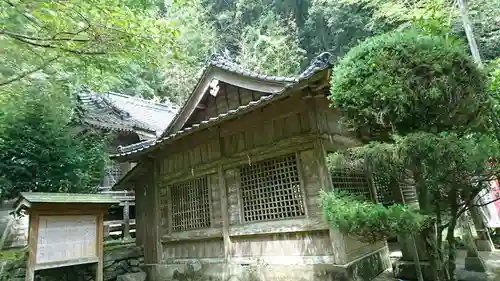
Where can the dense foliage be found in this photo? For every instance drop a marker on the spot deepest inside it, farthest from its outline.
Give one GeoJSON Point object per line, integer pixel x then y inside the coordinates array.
{"type": "Point", "coordinates": [404, 81]}
{"type": "Point", "coordinates": [77, 41]}
{"type": "Point", "coordinates": [423, 108]}
{"type": "Point", "coordinates": [271, 46]}
{"type": "Point", "coordinates": [39, 148]}
{"type": "Point", "coordinates": [49, 49]}
{"type": "Point", "coordinates": [369, 222]}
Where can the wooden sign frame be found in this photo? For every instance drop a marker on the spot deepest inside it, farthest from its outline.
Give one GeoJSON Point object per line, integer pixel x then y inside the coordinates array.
{"type": "Point", "coordinates": [95, 206]}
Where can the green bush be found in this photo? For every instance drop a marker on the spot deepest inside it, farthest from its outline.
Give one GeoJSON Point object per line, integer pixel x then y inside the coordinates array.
{"type": "Point", "coordinates": [367, 221]}
{"type": "Point", "coordinates": [401, 82]}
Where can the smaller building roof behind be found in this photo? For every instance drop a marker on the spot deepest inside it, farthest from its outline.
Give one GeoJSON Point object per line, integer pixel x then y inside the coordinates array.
{"type": "Point", "coordinates": [67, 198]}
{"type": "Point", "coordinates": [125, 113]}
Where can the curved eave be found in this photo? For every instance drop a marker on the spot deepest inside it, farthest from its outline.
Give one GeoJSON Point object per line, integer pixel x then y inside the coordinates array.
{"type": "Point", "coordinates": [118, 128]}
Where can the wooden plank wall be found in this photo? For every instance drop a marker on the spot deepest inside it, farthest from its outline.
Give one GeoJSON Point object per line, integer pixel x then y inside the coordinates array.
{"type": "Point", "coordinates": [206, 248]}
{"type": "Point", "coordinates": [355, 248]}
{"type": "Point", "coordinates": [283, 244]}
{"type": "Point", "coordinates": [229, 97]}
{"type": "Point", "coordinates": [312, 181]}
{"type": "Point", "coordinates": [328, 118]}
{"type": "Point", "coordinates": [280, 120]}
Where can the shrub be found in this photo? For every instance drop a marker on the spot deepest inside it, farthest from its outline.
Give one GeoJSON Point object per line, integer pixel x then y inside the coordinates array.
{"type": "Point", "coordinates": [367, 221]}
{"type": "Point", "coordinates": [404, 81]}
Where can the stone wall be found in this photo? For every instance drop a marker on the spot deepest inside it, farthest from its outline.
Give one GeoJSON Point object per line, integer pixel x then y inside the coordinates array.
{"type": "Point", "coordinates": [119, 259]}
{"type": "Point", "coordinates": [365, 268]}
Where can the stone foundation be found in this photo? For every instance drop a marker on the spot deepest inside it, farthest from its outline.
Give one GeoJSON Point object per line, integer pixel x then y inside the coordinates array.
{"type": "Point", "coordinates": [363, 269]}
{"type": "Point", "coordinates": [119, 259]}
{"type": "Point", "coordinates": [406, 270]}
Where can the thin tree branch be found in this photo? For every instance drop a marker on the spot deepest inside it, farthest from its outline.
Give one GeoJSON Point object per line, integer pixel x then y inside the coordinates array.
{"type": "Point", "coordinates": [53, 38]}
{"type": "Point", "coordinates": [78, 52]}
{"type": "Point", "coordinates": [29, 72]}
{"type": "Point", "coordinates": [26, 15]}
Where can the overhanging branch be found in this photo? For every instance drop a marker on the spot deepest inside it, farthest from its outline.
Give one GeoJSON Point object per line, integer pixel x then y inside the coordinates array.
{"type": "Point", "coordinates": [29, 72]}
{"type": "Point", "coordinates": [49, 46]}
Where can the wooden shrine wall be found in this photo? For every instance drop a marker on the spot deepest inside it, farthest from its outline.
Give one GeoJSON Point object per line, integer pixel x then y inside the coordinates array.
{"type": "Point", "coordinates": [217, 156]}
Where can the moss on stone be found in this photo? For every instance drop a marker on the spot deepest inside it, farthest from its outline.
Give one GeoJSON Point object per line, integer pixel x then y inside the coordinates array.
{"type": "Point", "coordinates": [109, 249]}
{"type": "Point", "coordinates": [12, 255]}
{"type": "Point", "coordinates": [369, 267]}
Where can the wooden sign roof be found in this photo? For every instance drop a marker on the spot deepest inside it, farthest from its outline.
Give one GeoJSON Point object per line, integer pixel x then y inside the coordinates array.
{"type": "Point", "coordinates": [26, 199]}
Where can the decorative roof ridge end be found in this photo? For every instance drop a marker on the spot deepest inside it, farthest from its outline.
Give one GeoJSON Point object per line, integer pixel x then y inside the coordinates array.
{"type": "Point", "coordinates": [320, 62]}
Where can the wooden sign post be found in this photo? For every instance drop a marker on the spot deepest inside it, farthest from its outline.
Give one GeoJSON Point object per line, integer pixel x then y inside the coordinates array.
{"type": "Point", "coordinates": [65, 229]}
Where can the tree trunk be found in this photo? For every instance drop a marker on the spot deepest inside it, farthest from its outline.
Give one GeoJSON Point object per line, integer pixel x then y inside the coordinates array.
{"type": "Point", "coordinates": [468, 31]}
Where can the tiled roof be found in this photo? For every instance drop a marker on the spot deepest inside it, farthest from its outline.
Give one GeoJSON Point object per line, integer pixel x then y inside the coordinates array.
{"type": "Point", "coordinates": [320, 63]}
{"type": "Point", "coordinates": [226, 64]}
{"type": "Point", "coordinates": [124, 113]}
{"type": "Point", "coordinates": [220, 62]}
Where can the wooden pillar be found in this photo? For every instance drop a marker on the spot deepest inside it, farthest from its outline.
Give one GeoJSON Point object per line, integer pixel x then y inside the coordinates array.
{"type": "Point", "coordinates": [100, 247]}
{"type": "Point", "coordinates": [152, 244]}
{"type": "Point", "coordinates": [224, 210]}
{"type": "Point", "coordinates": [106, 230]}
{"type": "Point", "coordinates": [126, 220]}
{"type": "Point", "coordinates": [32, 242]}
{"type": "Point", "coordinates": [337, 239]}
{"type": "Point", "coordinates": [139, 211]}
{"type": "Point", "coordinates": [225, 215]}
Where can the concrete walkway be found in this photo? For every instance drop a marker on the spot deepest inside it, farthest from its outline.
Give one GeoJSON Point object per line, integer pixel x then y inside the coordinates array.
{"type": "Point", "coordinates": [491, 259]}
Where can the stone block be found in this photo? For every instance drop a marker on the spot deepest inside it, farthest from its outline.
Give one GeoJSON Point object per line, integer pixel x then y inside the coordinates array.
{"type": "Point", "coordinates": [406, 270]}
{"type": "Point", "coordinates": [484, 245]}
{"type": "Point", "coordinates": [133, 262]}
{"type": "Point", "coordinates": [370, 266]}
{"type": "Point", "coordinates": [124, 265]}
{"type": "Point", "coordinates": [363, 269]}
{"type": "Point", "coordinates": [475, 264]}
{"type": "Point", "coordinates": [137, 276]}
{"type": "Point", "coordinates": [135, 269]}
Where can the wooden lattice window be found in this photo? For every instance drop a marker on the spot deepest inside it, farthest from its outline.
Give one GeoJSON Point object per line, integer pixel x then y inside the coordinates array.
{"type": "Point", "coordinates": [384, 192]}
{"type": "Point", "coordinates": [114, 173]}
{"type": "Point", "coordinates": [190, 205]}
{"type": "Point", "coordinates": [353, 182]}
{"type": "Point", "coordinates": [270, 190]}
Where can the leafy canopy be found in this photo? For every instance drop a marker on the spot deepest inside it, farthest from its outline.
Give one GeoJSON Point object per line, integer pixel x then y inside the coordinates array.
{"type": "Point", "coordinates": [404, 82]}
{"type": "Point", "coordinates": [39, 150]}
{"type": "Point", "coordinates": [424, 110]}
{"type": "Point", "coordinates": [77, 41]}
{"type": "Point", "coordinates": [271, 46]}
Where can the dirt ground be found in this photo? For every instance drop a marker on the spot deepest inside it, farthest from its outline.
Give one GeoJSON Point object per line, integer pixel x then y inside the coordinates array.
{"type": "Point", "coordinates": [491, 259]}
